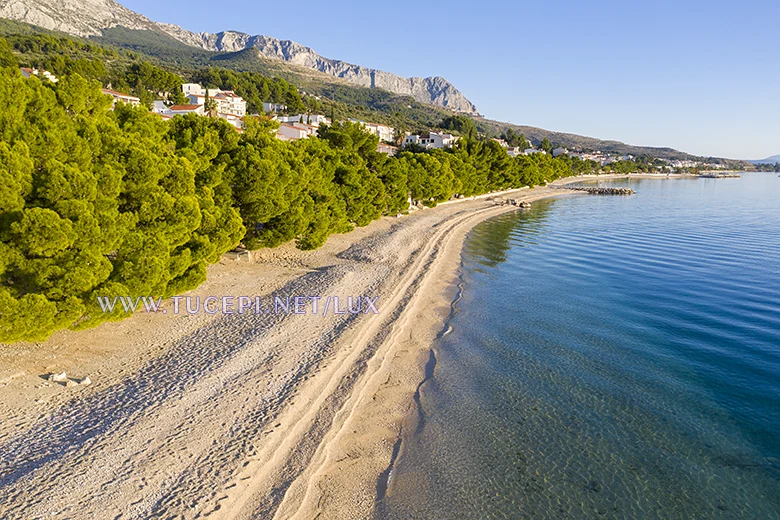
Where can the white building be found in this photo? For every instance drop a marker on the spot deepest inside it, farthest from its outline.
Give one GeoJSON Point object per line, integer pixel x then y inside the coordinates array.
{"type": "Point", "coordinates": [514, 151]}
{"type": "Point", "coordinates": [598, 157]}
{"type": "Point", "coordinates": [560, 151]}
{"type": "Point", "coordinates": [45, 74]}
{"type": "Point", "coordinates": [309, 129]}
{"type": "Point", "coordinates": [195, 89]}
{"type": "Point", "coordinates": [317, 120]}
{"type": "Point", "coordinates": [529, 151]}
{"type": "Point", "coordinates": [290, 119]}
{"type": "Point", "coordinates": [291, 133]}
{"type": "Point", "coordinates": [273, 107]}
{"type": "Point", "coordinates": [124, 98]}
{"type": "Point", "coordinates": [431, 140]}
{"type": "Point", "coordinates": [384, 132]}
{"type": "Point", "coordinates": [158, 107]}
{"type": "Point", "coordinates": [192, 88]}
{"type": "Point", "coordinates": [310, 119]}
{"type": "Point", "coordinates": [166, 112]}
{"type": "Point", "coordinates": [228, 102]}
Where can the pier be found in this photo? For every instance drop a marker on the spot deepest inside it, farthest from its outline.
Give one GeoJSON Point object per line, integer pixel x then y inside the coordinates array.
{"type": "Point", "coordinates": [719, 176]}
{"type": "Point", "coordinates": [597, 190]}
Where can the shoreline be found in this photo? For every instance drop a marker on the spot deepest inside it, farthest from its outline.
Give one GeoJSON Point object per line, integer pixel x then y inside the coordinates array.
{"type": "Point", "coordinates": [283, 417]}
{"type": "Point", "coordinates": [422, 367]}
{"type": "Point", "coordinates": [340, 485]}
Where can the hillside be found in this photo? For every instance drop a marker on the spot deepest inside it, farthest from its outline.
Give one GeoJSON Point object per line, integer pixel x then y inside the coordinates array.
{"type": "Point", "coordinates": [336, 95]}
{"type": "Point", "coordinates": [579, 142]}
{"type": "Point", "coordinates": [89, 18]}
{"type": "Point", "coordinates": [119, 48]}
{"type": "Point", "coordinates": [769, 160]}
{"type": "Point", "coordinates": [418, 116]}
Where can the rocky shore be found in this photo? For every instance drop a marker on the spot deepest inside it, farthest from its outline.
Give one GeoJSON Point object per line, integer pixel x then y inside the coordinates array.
{"type": "Point", "coordinates": [598, 190]}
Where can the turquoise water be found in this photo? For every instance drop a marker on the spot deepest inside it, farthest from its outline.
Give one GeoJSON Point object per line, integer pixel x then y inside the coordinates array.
{"type": "Point", "coordinates": [610, 357]}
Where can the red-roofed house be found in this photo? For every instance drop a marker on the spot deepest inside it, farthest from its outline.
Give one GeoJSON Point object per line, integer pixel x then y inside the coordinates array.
{"type": "Point", "coordinates": [291, 133]}
{"type": "Point", "coordinates": [228, 102]}
{"type": "Point", "coordinates": [45, 74]}
{"type": "Point", "coordinates": [309, 129]}
{"type": "Point", "coordinates": [176, 110]}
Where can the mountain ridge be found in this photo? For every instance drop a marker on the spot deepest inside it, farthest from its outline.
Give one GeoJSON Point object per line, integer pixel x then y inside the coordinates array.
{"type": "Point", "coordinates": [577, 142]}
{"type": "Point", "coordinates": [91, 17]}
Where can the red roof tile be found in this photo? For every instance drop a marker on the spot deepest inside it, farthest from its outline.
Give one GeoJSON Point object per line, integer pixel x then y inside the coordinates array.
{"type": "Point", "coordinates": [119, 94]}
{"type": "Point", "coordinates": [185, 107]}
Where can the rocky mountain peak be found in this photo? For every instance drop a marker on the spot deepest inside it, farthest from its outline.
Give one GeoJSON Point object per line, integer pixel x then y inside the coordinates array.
{"type": "Point", "coordinates": [77, 17]}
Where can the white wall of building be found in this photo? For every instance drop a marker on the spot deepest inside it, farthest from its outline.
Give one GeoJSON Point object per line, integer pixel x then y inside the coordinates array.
{"type": "Point", "coordinates": [431, 140]}
{"type": "Point", "coordinates": [273, 107]}
{"type": "Point", "coordinates": [291, 132]}
{"type": "Point", "coordinates": [192, 88]}
{"type": "Point", "coordinates": [227, 102]}
{"type": "Point", "coordinates": [311, 119]}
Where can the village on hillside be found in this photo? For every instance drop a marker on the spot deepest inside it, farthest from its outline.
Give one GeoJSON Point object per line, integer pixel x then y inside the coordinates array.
{"type": "Point", "coordinates": [227, 105]}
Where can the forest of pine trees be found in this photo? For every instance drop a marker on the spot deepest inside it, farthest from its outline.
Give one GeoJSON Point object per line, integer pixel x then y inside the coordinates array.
{"type": "Point", "coordinates": [97, 202]}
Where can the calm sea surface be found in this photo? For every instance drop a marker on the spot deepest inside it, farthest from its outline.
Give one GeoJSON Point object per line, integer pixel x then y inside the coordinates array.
{"type": "Point", "coordinates": [610, 357]}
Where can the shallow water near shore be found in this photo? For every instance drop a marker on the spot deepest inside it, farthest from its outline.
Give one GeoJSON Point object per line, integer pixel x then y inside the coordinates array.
{"type": "Point", "coordinates": [609, 357]}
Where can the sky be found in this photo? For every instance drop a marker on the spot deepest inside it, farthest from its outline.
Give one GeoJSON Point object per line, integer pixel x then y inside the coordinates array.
{"type": "Point", "coordinates": [701, 77]}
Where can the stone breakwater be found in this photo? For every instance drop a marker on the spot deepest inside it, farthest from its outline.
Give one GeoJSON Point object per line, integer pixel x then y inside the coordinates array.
{"type": "Point", "coordinates": [512, 202]}
{"type": "Point", "coordinates": [600, 190]}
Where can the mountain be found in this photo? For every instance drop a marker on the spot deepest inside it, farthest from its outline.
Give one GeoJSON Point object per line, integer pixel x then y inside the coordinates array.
{"type": "Point", "coordinates": [78, 17]}
{"type": "Point", "coordinates": [580, 142]}
{"type": "Point", "coordinates": [93, 17]}
{"type": "Point", "coordinates": [435, 90]}
{"type": "Point", "coordinates": [769, 160]}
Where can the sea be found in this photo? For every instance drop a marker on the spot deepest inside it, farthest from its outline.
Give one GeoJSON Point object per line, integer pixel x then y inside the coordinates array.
{"type": "Point", "coordinates": [607, 357]}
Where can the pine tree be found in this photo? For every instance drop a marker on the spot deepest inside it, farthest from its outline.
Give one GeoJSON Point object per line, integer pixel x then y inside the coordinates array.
{"type": "Point", "coordinates": [209, 105]}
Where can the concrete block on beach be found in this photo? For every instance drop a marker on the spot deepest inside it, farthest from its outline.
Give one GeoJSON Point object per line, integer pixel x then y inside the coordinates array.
{"type": "Point", "coordinates": [239, 254]}
{"type": "Point", "coordinates": [59, 378]}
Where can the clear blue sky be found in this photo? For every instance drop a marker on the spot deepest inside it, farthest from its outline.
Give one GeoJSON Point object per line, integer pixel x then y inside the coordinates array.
{"type": "Point", "coordinates": [699, 76]}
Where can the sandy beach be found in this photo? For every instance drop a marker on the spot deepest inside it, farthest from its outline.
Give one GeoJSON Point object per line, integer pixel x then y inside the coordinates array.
{"type": "Point", "coordinates": [240, 415]}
